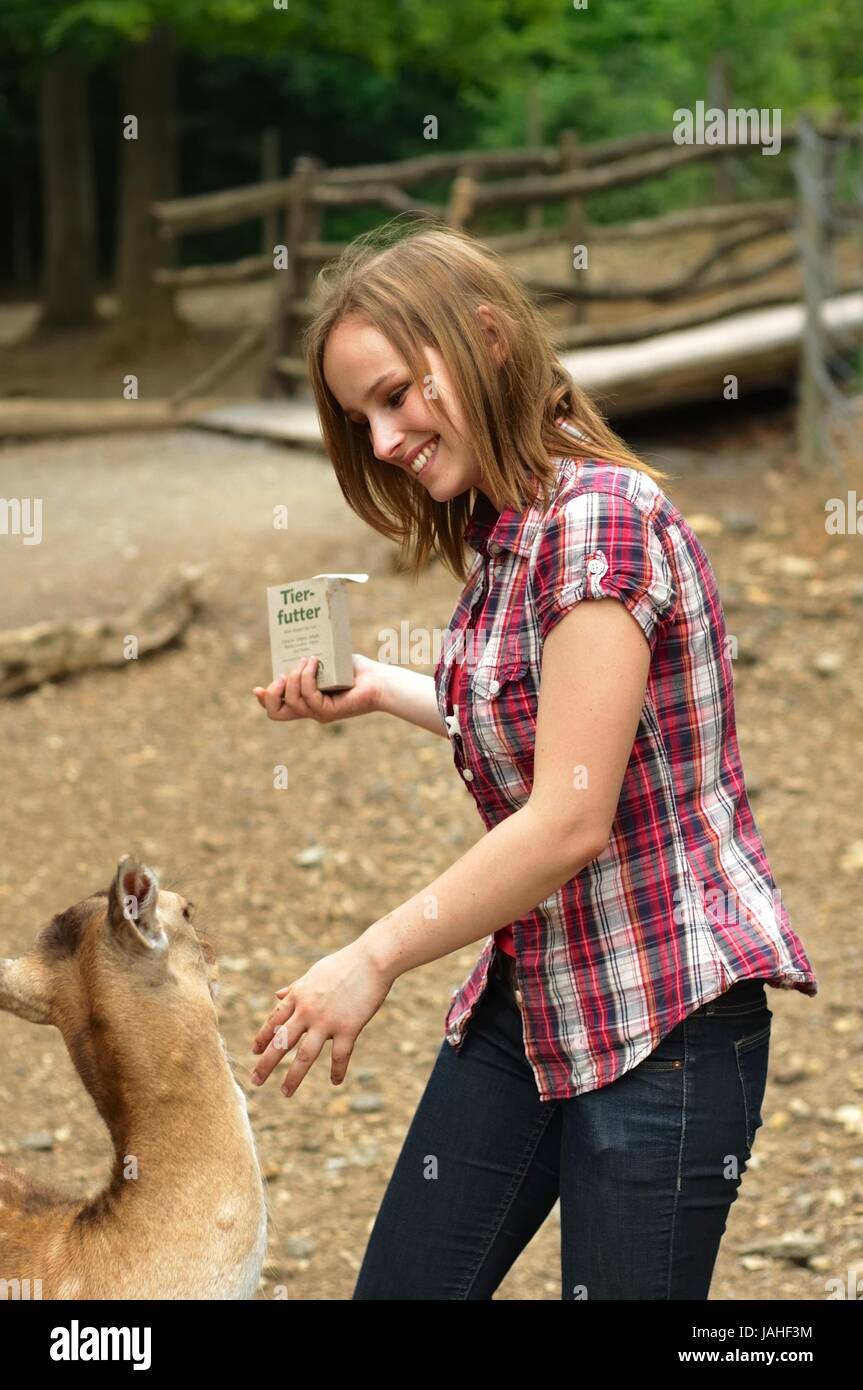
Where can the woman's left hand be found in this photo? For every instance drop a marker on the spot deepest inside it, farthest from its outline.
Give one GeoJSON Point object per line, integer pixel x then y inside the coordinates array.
{"type": "Point", "coordinates": [334, 999]}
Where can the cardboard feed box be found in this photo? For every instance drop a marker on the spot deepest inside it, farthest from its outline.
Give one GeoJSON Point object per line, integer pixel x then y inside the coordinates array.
{"type": "Point", "coordinates": [310, 617]}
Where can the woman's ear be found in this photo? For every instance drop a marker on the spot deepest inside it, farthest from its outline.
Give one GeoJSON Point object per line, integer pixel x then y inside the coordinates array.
{"type": "Point", "coordinates": [496, 340]}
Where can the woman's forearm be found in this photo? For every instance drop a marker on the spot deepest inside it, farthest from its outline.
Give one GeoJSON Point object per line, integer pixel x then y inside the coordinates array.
{"type": "Point", "coordinates": [505, 875]}
{"type": "Point", "coordinates": [411, 696]}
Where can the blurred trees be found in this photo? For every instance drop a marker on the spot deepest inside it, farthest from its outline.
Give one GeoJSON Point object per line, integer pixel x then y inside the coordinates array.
{"type": "Point", "coordinates": [350, 83]}
{"type": "Point", "coordinates": [69, 236]}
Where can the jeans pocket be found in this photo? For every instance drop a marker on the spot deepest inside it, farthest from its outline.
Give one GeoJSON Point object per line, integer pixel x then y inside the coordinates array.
{"type": "Point", "coordinates": [752, 1053]}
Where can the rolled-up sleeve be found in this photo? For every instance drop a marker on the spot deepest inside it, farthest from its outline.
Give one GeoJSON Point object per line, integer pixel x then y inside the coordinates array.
{"type": "Point", "coordinates": [601, 545]}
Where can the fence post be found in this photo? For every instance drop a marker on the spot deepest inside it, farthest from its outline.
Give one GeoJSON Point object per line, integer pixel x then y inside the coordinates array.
{"type": "Point", "coordinates": [571, 158]}
{"type": "Point", "coordinates": [302, 220]}
{"type": "Point", "coordinates": [535, 215]}
{"type": "Point", "coordinates": [809, 173]}
{"type": "Point", "coordinates": [461, 197]}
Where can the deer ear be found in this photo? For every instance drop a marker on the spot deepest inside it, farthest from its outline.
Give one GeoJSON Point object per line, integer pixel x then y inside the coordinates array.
{"type": "Point", "coordinates": [133, 905]}
{"type": "Point", "coordinates": [23, 990]}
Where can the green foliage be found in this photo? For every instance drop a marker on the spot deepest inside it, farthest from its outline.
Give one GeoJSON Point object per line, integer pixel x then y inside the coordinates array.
{"type": "Point", "coordinates": [352, 80]}
{"type": "Point", "coordinates": [614, 67]}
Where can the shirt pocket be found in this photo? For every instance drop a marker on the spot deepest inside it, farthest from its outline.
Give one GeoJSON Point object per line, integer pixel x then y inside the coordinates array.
{"type": "Point", "coordinates": [502, 710]}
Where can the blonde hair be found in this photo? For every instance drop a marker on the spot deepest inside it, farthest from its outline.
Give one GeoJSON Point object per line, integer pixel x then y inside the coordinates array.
{"type": "Point", "coordinates": [424, 288]}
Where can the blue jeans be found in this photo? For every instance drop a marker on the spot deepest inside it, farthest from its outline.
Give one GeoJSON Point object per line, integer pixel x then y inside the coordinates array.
{"type": "Point", "coordinates": [645, 1169]}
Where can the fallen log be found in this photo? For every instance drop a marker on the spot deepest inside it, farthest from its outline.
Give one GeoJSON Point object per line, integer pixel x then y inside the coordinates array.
{"type": "Point", "coordinates": [23, 417]}
{"type": "Point", "coordinates": [50, 651]}
{"type": "Point", "coordinates": [758, 349]}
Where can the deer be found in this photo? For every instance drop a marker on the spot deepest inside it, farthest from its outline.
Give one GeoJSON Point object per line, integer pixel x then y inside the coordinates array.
{"type": "Point", "coordinates": [130, 982]}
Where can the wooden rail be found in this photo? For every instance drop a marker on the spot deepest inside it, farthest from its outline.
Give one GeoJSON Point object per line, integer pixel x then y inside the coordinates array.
{"type": "Point", "coordinates": [484, 180]}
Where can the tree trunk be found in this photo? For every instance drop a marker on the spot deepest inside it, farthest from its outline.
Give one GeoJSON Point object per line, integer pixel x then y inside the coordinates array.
{"type": "Point", "coordinates": [22, 261]}
{"type": "Point", "coordinates": [719, 95]}
{"type": "Point", "coordinates": [68, 258]}
{"type": "Point", "coordinates": [148, 172]}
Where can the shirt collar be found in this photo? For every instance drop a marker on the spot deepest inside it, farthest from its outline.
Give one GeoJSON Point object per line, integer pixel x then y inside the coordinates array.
{"type": "Point", "coordinates": [513, 528]}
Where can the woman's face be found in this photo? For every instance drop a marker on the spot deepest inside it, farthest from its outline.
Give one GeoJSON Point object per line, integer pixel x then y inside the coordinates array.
{"type": "Point", "coordinates": [371, 382]}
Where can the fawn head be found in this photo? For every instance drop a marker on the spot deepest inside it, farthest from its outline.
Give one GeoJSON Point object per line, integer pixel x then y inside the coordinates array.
{"type": "Point", "coordinates": [116, 956]}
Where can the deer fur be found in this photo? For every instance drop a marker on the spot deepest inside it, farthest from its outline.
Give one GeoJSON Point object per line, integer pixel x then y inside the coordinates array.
{"type": "Point", "coordinates": [128, 981]}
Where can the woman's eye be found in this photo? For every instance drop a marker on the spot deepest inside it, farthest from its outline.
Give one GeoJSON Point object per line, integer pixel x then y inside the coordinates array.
{"type": "Point", "coordinates": [394, 401]}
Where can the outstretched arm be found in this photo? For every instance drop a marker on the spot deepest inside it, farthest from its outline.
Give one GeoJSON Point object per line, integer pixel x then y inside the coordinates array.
{"type": "Point", "coordinates": [594, 672]}
{"type": "Point", "coordinates": [410, 695]}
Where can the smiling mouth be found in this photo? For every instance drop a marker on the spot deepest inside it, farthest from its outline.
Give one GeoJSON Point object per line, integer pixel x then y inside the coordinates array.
{"type": "Point", "coordinates": [424, 456]}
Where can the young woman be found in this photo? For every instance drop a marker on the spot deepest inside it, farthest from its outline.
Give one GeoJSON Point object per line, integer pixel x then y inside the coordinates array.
{"type": "Point", "coordinates": [610, 1046]}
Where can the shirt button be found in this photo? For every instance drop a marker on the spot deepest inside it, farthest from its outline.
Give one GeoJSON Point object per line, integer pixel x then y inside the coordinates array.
{"type": "Point", "coordinates": [595, 566]}
{"type": "Point", "coordinates": [467, 774]}
{"type": "Point", "coordinates": [494, 687]}
{"type": "Point", "coordinates": [494, 548]}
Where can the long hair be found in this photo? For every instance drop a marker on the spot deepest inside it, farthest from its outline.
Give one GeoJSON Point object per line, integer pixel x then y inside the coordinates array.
{"type": "Point", "coordinates": [423, 287]}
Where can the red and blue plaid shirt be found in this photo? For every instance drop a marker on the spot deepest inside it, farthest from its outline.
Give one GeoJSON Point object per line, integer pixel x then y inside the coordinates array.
{"type": "Point", "coordinates": [681, 903]}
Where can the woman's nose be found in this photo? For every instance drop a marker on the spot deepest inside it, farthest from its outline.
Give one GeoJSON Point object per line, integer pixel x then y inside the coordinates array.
{"type": "Point", "coordinates": [387, 444]}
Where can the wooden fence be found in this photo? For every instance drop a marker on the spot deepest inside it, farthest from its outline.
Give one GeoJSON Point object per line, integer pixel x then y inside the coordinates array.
{"type": "Point", "coordinates": [823, 401]}
{"type": "Point", "coordinates": [482, 181]}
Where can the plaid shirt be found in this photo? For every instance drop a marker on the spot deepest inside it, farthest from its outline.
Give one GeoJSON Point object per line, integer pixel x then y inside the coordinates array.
{"type": "Point", "coordinates": [681, 903]}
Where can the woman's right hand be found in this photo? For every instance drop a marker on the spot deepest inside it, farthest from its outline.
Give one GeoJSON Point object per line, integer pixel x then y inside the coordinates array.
{"type": "Point", "coordinates": [296, 694]}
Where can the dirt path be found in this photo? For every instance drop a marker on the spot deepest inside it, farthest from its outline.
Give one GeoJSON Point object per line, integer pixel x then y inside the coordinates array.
{"type": "Point", "coordinates": [174, 757]}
